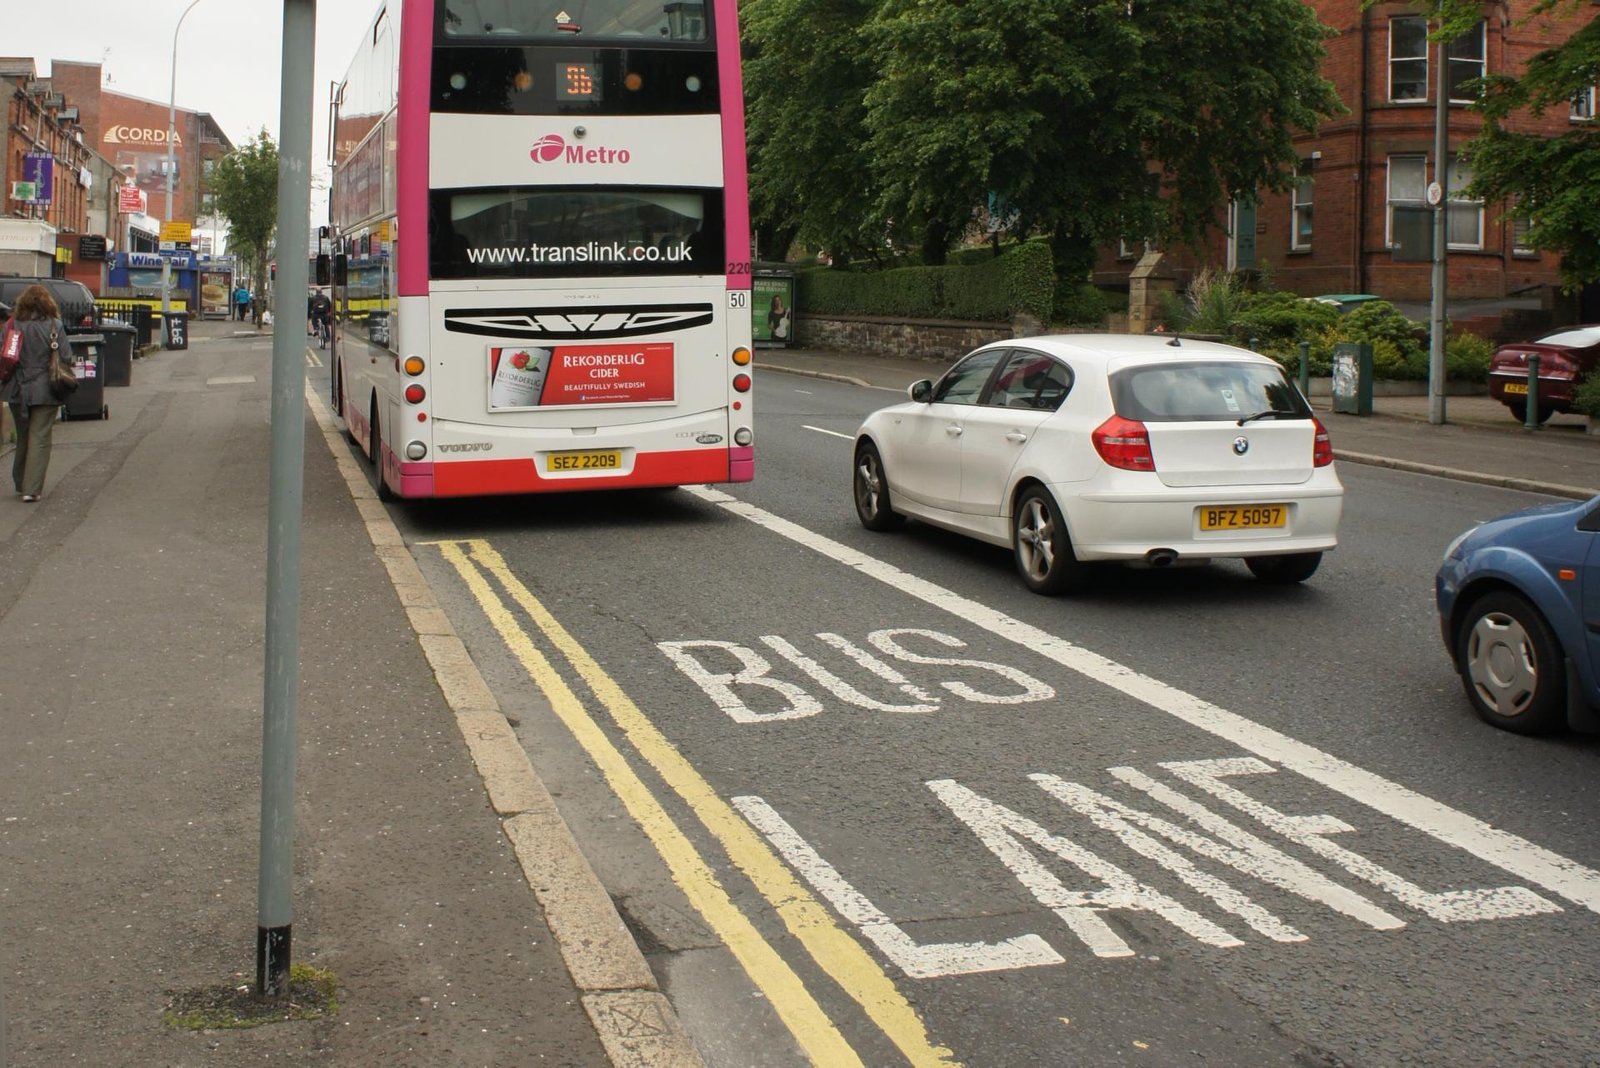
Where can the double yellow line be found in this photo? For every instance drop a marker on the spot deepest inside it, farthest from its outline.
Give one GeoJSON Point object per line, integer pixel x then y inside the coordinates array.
{"type": "Point", "coordinates": [835, 951]}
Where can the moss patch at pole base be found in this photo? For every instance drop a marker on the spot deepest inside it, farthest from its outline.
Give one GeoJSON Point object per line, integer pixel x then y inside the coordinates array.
{"type": "Point", "coordinates": [312, 996]}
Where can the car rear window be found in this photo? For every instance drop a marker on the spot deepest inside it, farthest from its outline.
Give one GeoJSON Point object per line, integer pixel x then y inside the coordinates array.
{"type": "Point", "coordinates": [1197, 392]}
{"type": "Point", "coordinates": [1577, 339]}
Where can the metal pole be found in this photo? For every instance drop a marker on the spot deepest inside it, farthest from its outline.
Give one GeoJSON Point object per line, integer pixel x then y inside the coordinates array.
{"type": "Point", "coordinates": [1441, 222]}
{"type": "Point", "coordinates": [274, 898]}
{"type": "Point", "coordinates": [1530, 414]}
{"type": "Point", "coordinates": [172, 136]}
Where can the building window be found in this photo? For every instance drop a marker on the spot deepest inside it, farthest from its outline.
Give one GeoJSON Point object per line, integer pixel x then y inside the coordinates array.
{"type": "Point", "coordinates": [1520, 245]}
{"type": "Point", "coordinates": [1132, 250]}
{"type": "Point", "coordinates": [207, 166]}
{"type": "Point", "coordinates": [1465, 216]}
{"type": "Point", "coordinates": [1408, 186]}
{"type": "Point", "coordinates": [1408, 60]}
{"type": "Point", "coordinates": [1467, 64]}
{"type": "Point", "coordinates": [208, 136]}
{"type": "Point", "coordinates": [1300, 199]}
{"type": "Point", "coordinates": [1583, 105]}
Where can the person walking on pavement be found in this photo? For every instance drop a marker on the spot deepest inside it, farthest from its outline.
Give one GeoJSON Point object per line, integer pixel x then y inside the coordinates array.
{"type": "Point", "coordinates": [241, 301]}
{"type": "Point", "coordinates": [34, 406]}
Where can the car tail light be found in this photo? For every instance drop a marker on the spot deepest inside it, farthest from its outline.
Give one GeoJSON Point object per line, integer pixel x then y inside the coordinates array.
{"type": "Point", "coordinates": [87, 320]}
{"type": "Point", "coordinates": [415, 393]}
{"type": "Point", "coordinates": [1321, 446]}
{"type": "Point", "coordinates": [1124, 443]}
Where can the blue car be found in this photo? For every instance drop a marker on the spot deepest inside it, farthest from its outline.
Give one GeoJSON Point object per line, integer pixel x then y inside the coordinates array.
{"type": "Point", "coordinates": [1519, 607]}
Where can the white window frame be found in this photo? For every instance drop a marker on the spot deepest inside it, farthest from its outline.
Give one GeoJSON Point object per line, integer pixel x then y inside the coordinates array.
{"type": "Point", "coordinates": [1425, 59]}
{"type": "Point", "coordinates": [1391, 201]}
{"type": "Point", "coordinates": [1520, 225]}
{"type": "Point", "coordinates": [1302, 197]}
{"type": "Point", "coordinates": [1460, 175]}
{"type": "Point", "coordinates": [1478, 63]}
{"type": "Point", "coordinates": [1582, 109]}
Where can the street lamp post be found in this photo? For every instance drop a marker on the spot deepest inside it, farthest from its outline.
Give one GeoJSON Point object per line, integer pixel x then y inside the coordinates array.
{"type": "Point", "coordinates": [172, 136]}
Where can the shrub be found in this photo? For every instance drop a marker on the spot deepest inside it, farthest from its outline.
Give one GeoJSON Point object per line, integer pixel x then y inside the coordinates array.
{"type": "Point", "coordinates": [1379, 320]}
{"type": "Point", "coordinates": [998, 288]}
{"type": "Point", "coordinates": [1586, 398]}
{"type": "Point", "coordinates": [1080, 305]}
{"type": "Point", "coordinates": [1467, 356]}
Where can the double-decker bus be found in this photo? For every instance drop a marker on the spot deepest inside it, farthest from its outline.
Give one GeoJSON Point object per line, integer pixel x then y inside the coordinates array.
{"type": "Point", "coordinates": [542, 214]}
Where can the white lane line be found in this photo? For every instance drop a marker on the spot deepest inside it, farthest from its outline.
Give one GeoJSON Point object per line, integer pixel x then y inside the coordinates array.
{"type": "Point", "coordinates": [807, 392]}
{"type": "Point", "coordinates": [830, 433]}
{"type": "Point", "coordinates": [1504, 850]}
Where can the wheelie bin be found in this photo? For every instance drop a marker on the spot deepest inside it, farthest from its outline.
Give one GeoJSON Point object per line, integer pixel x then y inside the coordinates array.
{"type": "Point", "coordinates": [88, 401]}
{"type": "Point", "coordinates": [116, 356]}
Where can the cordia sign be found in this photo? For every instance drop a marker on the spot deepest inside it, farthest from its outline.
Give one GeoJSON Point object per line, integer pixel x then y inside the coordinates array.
{"type": "Point", "coordinates": [553, 147]}
{"type": "Point", "coordinates": [137, 135]}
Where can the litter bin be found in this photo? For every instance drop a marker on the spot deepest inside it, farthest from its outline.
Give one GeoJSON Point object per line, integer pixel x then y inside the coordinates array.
{"type": "Point", "coordinates": [89, 400]}
{"type": "Point", "coordinates": [116, 357]}
{"type": "Point", "coordinates": [178, 331]}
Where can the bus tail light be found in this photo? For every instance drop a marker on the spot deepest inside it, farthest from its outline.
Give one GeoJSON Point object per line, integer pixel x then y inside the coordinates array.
{"type": "Point", "coordinates": [414, 366]}
{"type": "Point", "coordinates": [741, 356]}
{"type": "Point", "coordinates": [415, 393]}
{"type": "Point", "coordinates": [741, 383]}
{"type": "Point", "coordinates": [416, 450]}
{"type": "Point", "coordinates": [743, 436]}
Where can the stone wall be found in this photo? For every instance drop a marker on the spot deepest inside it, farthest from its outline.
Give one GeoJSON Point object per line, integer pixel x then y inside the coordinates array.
{"type": "Point", "coordinates": [916, 338]}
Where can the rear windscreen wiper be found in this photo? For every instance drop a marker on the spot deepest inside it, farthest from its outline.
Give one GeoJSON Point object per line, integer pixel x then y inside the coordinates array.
{"type": "Point", "coordinates": [1271, 413]}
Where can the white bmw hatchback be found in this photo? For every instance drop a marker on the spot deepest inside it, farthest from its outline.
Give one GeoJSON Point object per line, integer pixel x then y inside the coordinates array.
{"type": "Point", "coordinates": [1078, 448]}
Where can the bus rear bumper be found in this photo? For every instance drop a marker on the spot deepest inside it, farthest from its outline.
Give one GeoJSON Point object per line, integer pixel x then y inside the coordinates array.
{"type": "Point", "coordinates": [476, 478]}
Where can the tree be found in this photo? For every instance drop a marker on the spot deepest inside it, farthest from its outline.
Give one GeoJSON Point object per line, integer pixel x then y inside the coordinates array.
{"type": "Point", "coordinates": [806, 75]}
{"type": "Point", "coordinates": [1091, 119]}
{"type": "Point", "coordinates": [246, 186]}
{"type": "Point", "coordinates": [1553, 181]}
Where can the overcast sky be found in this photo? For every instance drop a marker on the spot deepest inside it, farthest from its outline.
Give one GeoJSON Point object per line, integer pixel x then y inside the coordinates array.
{"type": "Point", "coordinates": [230, 54]}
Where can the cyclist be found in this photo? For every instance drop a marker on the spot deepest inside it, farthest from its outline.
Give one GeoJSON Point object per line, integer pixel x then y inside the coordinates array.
{"type": "Point", "coordinates": [322, 316]}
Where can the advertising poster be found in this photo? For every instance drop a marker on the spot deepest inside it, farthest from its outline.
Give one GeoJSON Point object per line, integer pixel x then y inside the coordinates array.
{"type": "Point", "coordinates": [215, 286]}
{"type": "Point", "coordinates": [522, 376]}
{"type": "Point", "coordinates": [772, 309]}
{"type": "Point", "coordinates": [40, 168]}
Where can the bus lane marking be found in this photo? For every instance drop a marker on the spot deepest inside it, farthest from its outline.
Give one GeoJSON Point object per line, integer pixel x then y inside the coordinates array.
{"type": "Point", "coordinates": [835, 951]}
{"type": "Point", "coordinates": [1502, 849]}
{"type": "Point", "coordinates": [830, 433]}
{"type": "Point", "coordinates": [920, 961]}
{"type": "Point", "coordinates": [693, 659]}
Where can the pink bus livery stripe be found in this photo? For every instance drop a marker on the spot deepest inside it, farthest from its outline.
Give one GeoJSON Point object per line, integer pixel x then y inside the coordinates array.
{"type": "Point", "coordinates": [416, 63]}
{"type": "Point", "coordinates": [735, 178]}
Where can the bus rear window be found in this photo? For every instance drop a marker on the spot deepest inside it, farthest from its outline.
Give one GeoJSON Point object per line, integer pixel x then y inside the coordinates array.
{"type": "Point", "coordinates": [573, 78]}
{"type": "Point", "coordinates": [575, 231]}
{"type": "Point", "coordinates": [621, 20]}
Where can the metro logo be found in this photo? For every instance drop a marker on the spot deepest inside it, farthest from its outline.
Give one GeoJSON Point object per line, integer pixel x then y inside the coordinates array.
{"type": "Point", "coordinates": [553, 147]}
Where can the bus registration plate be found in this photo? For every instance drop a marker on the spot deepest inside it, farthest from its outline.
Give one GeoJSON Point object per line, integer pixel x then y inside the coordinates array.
{"type": "Point", "coordinates": [600, 460]}
{"type": "Point", "coordinates": [1247, 517]}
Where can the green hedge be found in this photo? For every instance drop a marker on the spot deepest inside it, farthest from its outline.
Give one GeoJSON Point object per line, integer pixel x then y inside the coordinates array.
{"type": "Point", "coordinates": [1021, 280]}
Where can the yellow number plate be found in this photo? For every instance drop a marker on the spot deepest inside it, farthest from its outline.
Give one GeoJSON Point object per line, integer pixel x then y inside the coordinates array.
{"type": "Point", "coordinates": [603, 460]}
{"type": "Point", "coordinates": [1243, 517]}
{"type": "Point", "coordinates": [1518, 388]}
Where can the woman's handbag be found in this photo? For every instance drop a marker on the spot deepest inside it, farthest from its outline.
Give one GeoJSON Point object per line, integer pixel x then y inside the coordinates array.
{"type": "Point", "coordinates": [63, 382]}
{"type": "Point", "coordinates": [10, 352]}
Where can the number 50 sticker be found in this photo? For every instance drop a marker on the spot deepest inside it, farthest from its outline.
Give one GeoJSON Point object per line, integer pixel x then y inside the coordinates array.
{"type": "Point", "coordinates": [738, 298]}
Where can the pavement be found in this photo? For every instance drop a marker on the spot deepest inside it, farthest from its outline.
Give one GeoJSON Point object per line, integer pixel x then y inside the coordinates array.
{"type": "Point", "coordinates": [433, 875]}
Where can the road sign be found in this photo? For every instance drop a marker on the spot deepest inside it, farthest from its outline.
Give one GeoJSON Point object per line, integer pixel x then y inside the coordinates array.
{"type": "Point", "coordinates": [176, 235]}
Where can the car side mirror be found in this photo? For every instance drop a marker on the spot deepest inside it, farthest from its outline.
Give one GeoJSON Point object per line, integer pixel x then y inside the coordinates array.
{"type": "Point", "coordinates": [921, 392]}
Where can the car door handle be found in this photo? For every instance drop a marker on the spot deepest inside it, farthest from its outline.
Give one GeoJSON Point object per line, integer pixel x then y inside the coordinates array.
{"type": "Point", "coordinates": [1017, 436]}
{"type": "Point", "coordinates": [953, 431]}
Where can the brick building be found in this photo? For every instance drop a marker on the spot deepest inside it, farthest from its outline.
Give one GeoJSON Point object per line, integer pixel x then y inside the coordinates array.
{"type": "Point", "coordinates": [1358, 220]}
{"type": "Point", "coordinates": [45, 169]}
{"type": "Point", "coordinates": [132, 133]}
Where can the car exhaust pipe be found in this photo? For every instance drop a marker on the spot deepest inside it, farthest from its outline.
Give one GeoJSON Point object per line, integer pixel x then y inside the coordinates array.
{"type": "Point", "coordinates": [1161, 557]}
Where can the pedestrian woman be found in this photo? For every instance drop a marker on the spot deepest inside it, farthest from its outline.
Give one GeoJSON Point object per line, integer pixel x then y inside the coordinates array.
{"type": "Point", "coordinates": [34, 406]}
